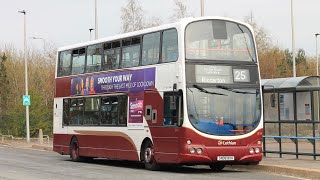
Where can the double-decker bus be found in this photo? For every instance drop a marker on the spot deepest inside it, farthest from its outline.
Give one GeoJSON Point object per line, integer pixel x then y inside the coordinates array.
{"type": "Point", "coordinates": [185, 93]}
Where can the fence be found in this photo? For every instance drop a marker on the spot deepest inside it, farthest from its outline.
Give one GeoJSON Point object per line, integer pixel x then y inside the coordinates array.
{"type": "Point", "coordinates": [296, 137]}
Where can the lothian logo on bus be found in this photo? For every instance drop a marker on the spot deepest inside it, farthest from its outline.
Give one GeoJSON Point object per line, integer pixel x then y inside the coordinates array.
{"type": "Point", "coordinates": [227, 143]}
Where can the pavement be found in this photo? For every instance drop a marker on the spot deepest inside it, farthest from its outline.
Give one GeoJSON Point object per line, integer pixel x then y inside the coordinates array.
{"type": "Point", "coordinates": [303, 167]}
{"type": "Point", "coordinates": [31, 145]}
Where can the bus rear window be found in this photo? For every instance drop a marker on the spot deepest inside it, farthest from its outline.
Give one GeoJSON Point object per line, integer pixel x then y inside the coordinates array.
{"type": "Point", "coordinates": [219, 40]}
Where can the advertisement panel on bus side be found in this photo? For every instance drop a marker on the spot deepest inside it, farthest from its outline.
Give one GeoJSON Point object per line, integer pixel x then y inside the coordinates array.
{"type": "Point", "coordinates": [122, 81]}
{"type": "Point", "coordinates": [134, 82]}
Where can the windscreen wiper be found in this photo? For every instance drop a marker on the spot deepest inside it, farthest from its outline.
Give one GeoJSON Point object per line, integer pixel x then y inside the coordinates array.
{"type": "Point", "coordinates": [208, 92]}
{"type": "Point", "coordinates": [232, 90]}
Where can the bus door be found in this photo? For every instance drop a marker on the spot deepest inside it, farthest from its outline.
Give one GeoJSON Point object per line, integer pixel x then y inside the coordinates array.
{"type": "Point", "coordinates": [164, 115]}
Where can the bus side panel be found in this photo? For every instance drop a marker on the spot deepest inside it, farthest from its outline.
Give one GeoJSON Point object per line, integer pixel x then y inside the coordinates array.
{"type": "Point", "coordinates": [165, 138]}
{"type": "Point", "coordinates": [106, 144]}
{"type": "Point", "coordinates": [64, 85]}
{"type": "Point", "coordinates": [61, 143]}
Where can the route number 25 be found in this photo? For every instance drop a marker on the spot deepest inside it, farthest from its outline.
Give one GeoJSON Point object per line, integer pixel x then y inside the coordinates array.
{"type": "Point", "coordinates": [241, 75]}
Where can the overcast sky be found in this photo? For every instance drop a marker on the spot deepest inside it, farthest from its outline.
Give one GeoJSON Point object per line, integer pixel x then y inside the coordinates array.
{"type": "Point", "coordinates": [65, 22]}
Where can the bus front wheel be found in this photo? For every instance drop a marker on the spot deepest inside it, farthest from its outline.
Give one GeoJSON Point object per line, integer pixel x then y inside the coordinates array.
{"type": "Point", "coordinates": [148, 157]}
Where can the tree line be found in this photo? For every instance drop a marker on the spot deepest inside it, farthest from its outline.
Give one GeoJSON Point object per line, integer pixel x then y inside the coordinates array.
{"type": "Point", "coordinates": [275, 62]}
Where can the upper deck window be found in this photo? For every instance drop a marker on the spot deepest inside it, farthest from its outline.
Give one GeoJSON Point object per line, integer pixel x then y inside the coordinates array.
{"type": "Point", "coordinates": [219, 40]}
{"type": "Point", "coordinates": [151, 48]}
{"type": "Point", "coordinates": [64, 63]}
{"type": "Point", "coordinates": [169, 45]}
{"type": "Point", "coordinates": [94, 56]}
{"type": "Point", "coordinates": [111, 55]}
{"type": "Point", "coordinates": [78, 61]}
{"type": "Point", "coordinates": [130, 52]}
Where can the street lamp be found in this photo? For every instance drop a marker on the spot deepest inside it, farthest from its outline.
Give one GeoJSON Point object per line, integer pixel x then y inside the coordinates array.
{"type": "Point", "coordinates": [95, 19]}
{"type": "Point", "coordinates": [293, 48]}
{"type": "Point", "coordinates": [202, 7]}
{"type": "Point", "coordinates": [317, 34]}
{"type": "Point", "coordinates": [90, 32]}
{"type": "Point", "coordinates": [44, 43]}
{"type": "Point", "coordinates": [26, 72]}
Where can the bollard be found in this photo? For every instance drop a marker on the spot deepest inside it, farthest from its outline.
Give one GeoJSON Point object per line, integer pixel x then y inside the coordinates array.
{"type": "Point", "coordinates": [40, 136]}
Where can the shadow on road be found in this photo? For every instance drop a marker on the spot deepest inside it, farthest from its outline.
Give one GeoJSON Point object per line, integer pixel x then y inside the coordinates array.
{"type": "Point", "coordinates": [198, 169]}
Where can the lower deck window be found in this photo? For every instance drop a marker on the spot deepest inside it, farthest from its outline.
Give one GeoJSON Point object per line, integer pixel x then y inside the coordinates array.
{"type": "Point", "coordinates": [95, 111]}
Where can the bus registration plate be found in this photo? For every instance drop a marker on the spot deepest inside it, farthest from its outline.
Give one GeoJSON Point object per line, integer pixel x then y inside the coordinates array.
{"type": "Point", "coordinates": [225, 158]}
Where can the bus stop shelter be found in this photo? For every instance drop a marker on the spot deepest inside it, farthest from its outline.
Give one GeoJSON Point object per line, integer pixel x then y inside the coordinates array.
{"type": "Point", "coordinates": [291, 112]}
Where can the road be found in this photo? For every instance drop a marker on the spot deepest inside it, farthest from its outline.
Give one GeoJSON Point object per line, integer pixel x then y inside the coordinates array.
{"type": "Point", "coordinates": [35, 164]}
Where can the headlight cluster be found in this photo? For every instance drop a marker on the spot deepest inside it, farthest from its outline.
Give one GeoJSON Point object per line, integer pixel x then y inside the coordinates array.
{"type": "Point", "coordinates": [254, 150]}
{"type": "Point", "coordinates": [193, 150]}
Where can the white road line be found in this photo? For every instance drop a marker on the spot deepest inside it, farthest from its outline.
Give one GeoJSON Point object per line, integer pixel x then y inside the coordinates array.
{"type": "Point", "coordinates": [294, 177]}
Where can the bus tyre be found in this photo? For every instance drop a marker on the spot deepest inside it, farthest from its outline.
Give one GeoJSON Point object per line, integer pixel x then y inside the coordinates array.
{"type": "Point", "coordinates": [74, 150]}
{"type": "Point", "coordinates": [217, 167]}
{"type": "Point", "coordinates": [148, 157]}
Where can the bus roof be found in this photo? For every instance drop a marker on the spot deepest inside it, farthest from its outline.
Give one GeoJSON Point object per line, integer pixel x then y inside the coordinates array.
{"type": "Point", "coordinates": [180, 22]}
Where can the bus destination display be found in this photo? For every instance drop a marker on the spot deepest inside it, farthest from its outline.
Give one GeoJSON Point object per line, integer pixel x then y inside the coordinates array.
{"type": "Point", "coordinates": [213, 74]}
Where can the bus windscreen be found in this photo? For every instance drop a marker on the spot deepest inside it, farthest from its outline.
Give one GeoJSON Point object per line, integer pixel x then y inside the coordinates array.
{"type": "Point", "coordinates": [219, 40]}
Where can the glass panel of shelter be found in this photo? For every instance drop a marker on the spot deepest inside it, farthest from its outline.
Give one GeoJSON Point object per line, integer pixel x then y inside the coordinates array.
{"type": "Point", "coordinates": [286, 106]}
{"type": "Point", "coordinates": [270, 106]}
{"type": "Point", "coordinates": [316, 105]}
{"type": "Point", "coordinates": [303, 106]}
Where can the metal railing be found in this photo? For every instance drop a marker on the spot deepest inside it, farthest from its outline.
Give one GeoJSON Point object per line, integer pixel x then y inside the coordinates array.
{"type": "Point", "coordinates": [296, 138]}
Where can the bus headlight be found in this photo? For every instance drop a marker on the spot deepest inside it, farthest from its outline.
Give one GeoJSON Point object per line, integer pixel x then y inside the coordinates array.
{"type": "Point", "coordinates": [199, 151]}
{"type": "Point", "coordinates": [259, 142]}
{"type": "Point", "coordinates": [188, 141]}
{"type": "Point", "coordinates": [257, 150]}
{"type": "Point", "coordinates": [251, 150]}
{"type": "Point", "coordinates": [192, 150]}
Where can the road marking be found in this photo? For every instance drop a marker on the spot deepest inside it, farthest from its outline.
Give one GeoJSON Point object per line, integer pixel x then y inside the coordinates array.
{"type": "Point", "coordinates": [294, 177]}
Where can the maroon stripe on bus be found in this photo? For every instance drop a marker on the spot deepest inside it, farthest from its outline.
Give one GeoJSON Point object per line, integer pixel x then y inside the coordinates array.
{"type": "Point", "coordinates": [63, 87]}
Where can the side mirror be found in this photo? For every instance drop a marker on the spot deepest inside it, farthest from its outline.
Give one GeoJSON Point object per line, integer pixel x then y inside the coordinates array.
{"type": "Point", "coordinates": [273, 100]}
{"type": "Point", "coordinates": [174, 87]}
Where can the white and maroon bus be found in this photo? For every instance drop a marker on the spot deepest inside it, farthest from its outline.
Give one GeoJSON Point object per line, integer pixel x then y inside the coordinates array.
{"type": "Point", "coordinates": [183, 93]}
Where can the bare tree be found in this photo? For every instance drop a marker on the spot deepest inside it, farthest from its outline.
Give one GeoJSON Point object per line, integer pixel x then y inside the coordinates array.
{"type": "Point", "coordinates": [132, 16]}
{"type": "Point", "coordinates": [262, 37]}
{"type": "Point", "coordinates": [180, 10]}
{"type": "Point", "coordinates": [152, 22]}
